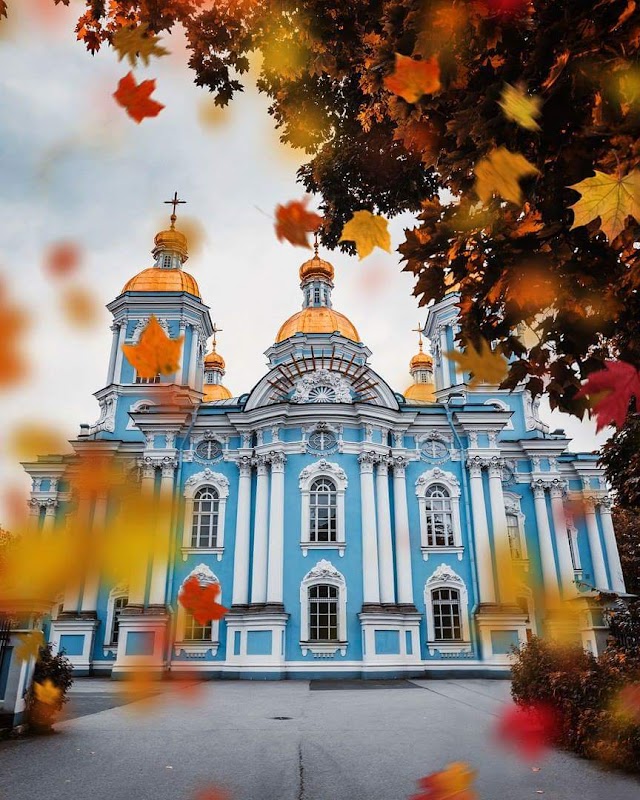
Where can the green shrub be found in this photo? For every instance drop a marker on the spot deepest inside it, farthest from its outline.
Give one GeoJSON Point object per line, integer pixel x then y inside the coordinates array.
{"type": "Point", "coordinates": [57, 669]}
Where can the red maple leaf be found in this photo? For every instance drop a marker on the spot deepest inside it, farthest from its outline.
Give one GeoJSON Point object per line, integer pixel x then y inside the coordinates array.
{"type": "Point", "coordinates": [294, 222]}
{"type": "Point", "coordinates": [62, 258]}
{"type": "Point", "coordinates": [615, 385]}
{"type": "Point", "coordinates": [200, 600]}
{"type": "Point", "coordinates": [528, 729]}
{"type": "Point", "coordinates": [136, 98]}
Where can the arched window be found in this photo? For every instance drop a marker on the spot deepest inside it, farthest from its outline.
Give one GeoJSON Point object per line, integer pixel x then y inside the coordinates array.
{"type": "Point", "coordinates": [193, 639]}
{"type": "Point", "coordinates": [323, 510]}
{"type": "Point", "coordinates": [446, 615]}
{"type": "Point", "coordinates": [118, 604]}
{"type": "Point", "coordinates": [439, 518]}
{"type": "Point", "coordinates": [206, 509]}
{"type": "Point", "coordinates": [323, 613]}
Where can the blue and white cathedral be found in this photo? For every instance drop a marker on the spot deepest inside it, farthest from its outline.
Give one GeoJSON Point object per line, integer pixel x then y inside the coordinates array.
{"type": "Point", "coordinates": [354, 530]}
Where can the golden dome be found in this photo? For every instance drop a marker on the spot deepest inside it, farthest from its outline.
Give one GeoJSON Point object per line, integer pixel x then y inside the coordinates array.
{"type": "Point", "coordinates": [316, 267]}
{"type": "Point", "coordinates": [421, 392]}
{"type": "Point", "coordinates": [421, 361]}
{"type": "Point", "coordinates": [215, 391]}
{"type": "Point", "coordinates": [154, 279]}
{"type": "Point", "coordinates": [214, 360]}
{"type": "Point", "coordinates": [171, 239]}
{"type": "Point", "coordinates": [318, 319]}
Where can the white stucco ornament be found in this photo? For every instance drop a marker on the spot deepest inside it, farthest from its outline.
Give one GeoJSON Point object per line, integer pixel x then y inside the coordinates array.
{"type": "Point", "coordinates": [323, 569]}
{"type": "Point", "coordinates": [322, 386]}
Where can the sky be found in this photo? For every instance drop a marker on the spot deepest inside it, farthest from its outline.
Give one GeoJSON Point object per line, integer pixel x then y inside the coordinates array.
{"type": "Point", "coordinates": [75, 167]}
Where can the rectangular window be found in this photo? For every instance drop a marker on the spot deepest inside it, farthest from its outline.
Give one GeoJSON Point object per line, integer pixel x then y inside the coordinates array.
{"type": "Point", "coordinates": [446, 615]}
{"type": "Point", "coordinates": [513, 532]}
{"type": "Point", "coordinates": [194, 632]}
{"type": "Point", "coordinates": [118, 604]}
{"type": "Point", "coordinates": [573, 547]}
{"type": "Point", "coordinates": [323, 614]}
{"type": "Point", "coordinates": [316, 296]}
{"type": "Point", "coordinates": [155, 379]}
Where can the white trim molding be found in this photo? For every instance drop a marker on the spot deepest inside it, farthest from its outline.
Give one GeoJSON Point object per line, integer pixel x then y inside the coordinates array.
{"type": "Point", "coordinates": [444, 577]}
{"type": "Point", "coordinates": [136, 408]}
{"type": "Point", "coordinates": [449, 481]}
{"type": "Point", "coordinates": [220, 483]}
{"type": "Point", "coordinates": [109, 649]}
{"type": "Point", "coordinates": [331, 470]}
{"type": "Point", "coordinates": [512, 506]}
{"type": "Point", "coordinates": [324, 573]}
{"type": "Point", "coordinates": [501, 406]}
{"type": "Point", "coordinates": [197, 648]}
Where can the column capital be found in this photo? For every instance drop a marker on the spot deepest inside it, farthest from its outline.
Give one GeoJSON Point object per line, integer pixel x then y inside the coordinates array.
{"type": "Point", "coordinates": [605, 504]}
{"type": "Point", "coordinates": [168, 466]}
{"type": "Point", "coordinates": [538, 487]}
{"type": "Point", "coordinates": [399, 465]}
{"type": "Point", "coordinates": [367, 460]}
{"type": "Point", "coordinates": [590, 502]}
{"type": "Point", "coordinates": [495, 465]}
{"type": "Point", "coordinates": [245, 465]}
{"type": "Point", "coordinates": [50, 504]}
{"type": "Point", "coordinates": [558, 488]}
{"type": "Point", "coordinates": [475, 465]}
{"type": "Point", "coordinates": [277, 459]}
{"type": "Point", "coordinates": [261, 462]}
{"type": "Point", "coordinates": [383, 465]}
{"type": "Point", "coordinates": [117, 324]}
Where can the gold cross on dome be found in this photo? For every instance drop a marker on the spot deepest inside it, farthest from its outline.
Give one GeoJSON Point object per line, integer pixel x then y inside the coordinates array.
{"type": "Point", "coordinates": [216, 330]}
{"type": "Point", "coordinates": [175, 202]}
{"type": "Point", "coordinates": [418, 330]}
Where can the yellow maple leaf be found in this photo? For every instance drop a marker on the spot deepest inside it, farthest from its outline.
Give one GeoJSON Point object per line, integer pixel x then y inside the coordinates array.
{"type": "Point", "coordinates": [47, 693]}
{"type": "Point", "coordinates": [455, 782]}
{"type": "Point", "coordinates": [134, 43]}
{"type": "Point", "coordinates": [156, 353]}
{"type": "Point", "coordinates": [499, 174]}
{"type": "Point", "coordinates": [485, 364]}
{"type": "Point", "coordinates": [411, 78]}
{"type": "Point", "coordinates": [367, 231]}
{"type": "Point", "coordinates": [30, 644]}
{"type": "Point", "coordinates": [520, 107]}
{"type": "Point", "coordinates": [613, 198]}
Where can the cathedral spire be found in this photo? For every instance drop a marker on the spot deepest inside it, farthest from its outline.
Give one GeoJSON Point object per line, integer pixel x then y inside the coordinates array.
{"type": "Point", "coordinates": [171, 250]}
{"type": "Point", "coordinates": [421, 369]}
{"type": "Point", "coordinates": [214, 371]}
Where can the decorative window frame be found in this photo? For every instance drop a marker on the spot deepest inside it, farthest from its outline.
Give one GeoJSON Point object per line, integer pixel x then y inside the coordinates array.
{"type": "Point", "coordinates": [336, 430]}
{"type": "Point", "coordinates": [324, 573]}
{"type": "Point", "coordinates": [512, 506]}
{"type": "Point", "coordinates": [134, 408]}
{"type": "Point", "coordinates": [572, 533]}
{"type": "Point", "coordinates": [109, 649]}
{"type": "Point", "coordinates": [201, 479]}
{"type": "Point", "coordinates": [197, 649]}
{"type": "Point", "coordinates": [444, 577]}
{"type": "Point", "coordinates": [206, 436]}
{"type": "Point", "coordinates": [446, 439]}
{"type": "Point", "coordinates": [451, 483]}
{"type": "Point", "coordinates": [502, 406]}
{"type": "Point", "coordinates": [522, 590]}
{"type": "Point", "coordinates": [320, 469]}
{"type": "Point", "coordinates": [142, 324]}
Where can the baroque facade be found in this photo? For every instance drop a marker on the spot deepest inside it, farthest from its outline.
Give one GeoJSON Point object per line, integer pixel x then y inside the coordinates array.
{"type": "Point", "coordinates": [354, 531]}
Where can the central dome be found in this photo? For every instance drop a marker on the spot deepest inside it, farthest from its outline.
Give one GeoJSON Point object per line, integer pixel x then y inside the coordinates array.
{"type": "Point", "coordinates": [154, 279]}
{"type": "Point", "coordinates": [318, 319]}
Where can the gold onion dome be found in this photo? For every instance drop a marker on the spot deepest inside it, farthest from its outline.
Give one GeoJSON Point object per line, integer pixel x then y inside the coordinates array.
{"type": "Point", "coordinates": [172, 239]}
{"type": "Point", "coordinates": [421, 361]}
{"type": "Point", "coordinates": [215, 391]}
{"type": "Point", "coordinates": [318, 319]}
{"type": "Point", "coordinates": [316, 267]}
{"type": "Point", "coordinates": [422, 392]}
{"type": "Point", "coordinates": [154, 279]}
{"type": "Point", "coordinates": [214, 360]}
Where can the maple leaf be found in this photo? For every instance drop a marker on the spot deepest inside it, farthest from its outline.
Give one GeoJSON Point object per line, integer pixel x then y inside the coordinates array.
{"type": "Point", "coordinates": [62, 258]}
{"type": "Point", "coordinates": [367, 231]}
{"type": "Point", "coordinates": [411, 78]}
{"type": "Point", "coordinates": [615, 385]}
{"type": "Point", "coordinates": [13, 323]}
{"type": "Point", "coordinates": [529, 729]}
{"type": "Point", "coordinates": [47, 693]}
{"type": "Point", "coordinates": [520, 107]}
{"type": "Point", "coordinates": [200, 600]}
{"type": "Point", "coordinates": [29, 440]}
{"type": "Point", "coordinates": [486, 365]}
{"type": "Point", "coordinates": [499, 173]}
{"type": "Point", "coordinates": [134, 43]}
{"type": "Point", "coordinates": [135, 98]}
{"type": "Point", "coordinates": [30, 644]}
{"type": "Point", "coordinates": [420, 137]}
{"type": "Point", "coordinates": [79, 306]}
{"type": "Point", "coordinates": [452, 783]}
{"type": "Point", "coordinates": [156, 353]}
{"type": "Point", "coordinates": [613, 198]}
{"type": "Point", "coordinates": [294, 222]}
{"type": "Point", "coordinates": [627, 703]}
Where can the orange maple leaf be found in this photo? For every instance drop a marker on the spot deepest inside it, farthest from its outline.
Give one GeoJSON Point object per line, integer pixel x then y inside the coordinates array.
{"type": "Point", "coordinates": [135, 98]}
{"type": "Point", "coordinates": [30, 644]}
{"type": "Point", "coordinates": [62, 258]}
{"type": "Point", "coordinates": [156, 353]}
{"type": "Point", "coordinates": [294, 222]}
{"type": "Point", "coordinates": [412, 78]}
{"type": "Point", "coordinates": [79, 307]}
{"type": "Point", "coordinates": [13, 323]}
{"type": "Point", "coordinates": [47, 692]}
{"type": "Point", "coordinates": [453, 783]}
{"type": "Point", "coordinates": [200, 600]}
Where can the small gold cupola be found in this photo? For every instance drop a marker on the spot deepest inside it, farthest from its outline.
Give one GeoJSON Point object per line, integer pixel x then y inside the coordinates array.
{"type": "Point", "coordinates": [214, 371]}
{"type": "Point", "coordinates": [422, 390]}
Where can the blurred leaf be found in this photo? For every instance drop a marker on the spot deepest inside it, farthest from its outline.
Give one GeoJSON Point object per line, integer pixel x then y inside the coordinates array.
{"type": "Point", "coordinates": [367, 231]}
{"type": "Point", "coordinates": [411, 78]}
{"type": "Point", "coordinates": [613, 198]}
{"type": "Point", "coordinates": [136, 42]}
{"type": "Point", "coordinates": [155, 353]}
{"type": "Point", "coordinates": [500, 174]}
{"type": "Point", "coordinates": [135, 98]}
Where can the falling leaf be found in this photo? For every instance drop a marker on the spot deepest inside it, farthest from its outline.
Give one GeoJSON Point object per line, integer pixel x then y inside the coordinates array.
{"type": "Point", "coordinates": [13, 324]}
{"type": "Point", "coordinates": [294, 222]}
{"type": "Point", "coordinates": [520, 107]}
{"type": "Point", "coordinates": [29, 440]}
{"type": "Point", "coordinates": [156, 353]}
{"type": "Point", "coordinates": [420, 137]}
{"type": "Point", "coordinates": [79, 306]}
{"type": "Point", "coordinates": [500, 173]}
{"type": "Point", "coordinates": [210, 115]}
{"type": "Point", "coordinates": [62, 258]}
{"type": "Point", "coordinates": [615, 385]}
{"type": "Point", "coordinates": [30, 644]}
{"type": "Point", "coordinates": [530, 730]}
{"type": "Point", "coordinates": [626, 704]}
{"type": "Point", "coordinates": [134, 43]}
{"type": "Point", "coordinates": [200, 600]}
{"type": "Point", "coordinates": [47, 693]}
{"type": "Point", "coordinates": [136, 98]}
{"type": "Point", "coordinates": [211, 794]}
{"type": "Point", "coordinates": [367, 231]}
{"type": "Point", "coordinates": [455, 782]}
{"type": "Point", "coordinates": [485, 364]}
{"type": "Point", "coordinates": [412, 78]}
{"type": "Point", "coordinates": [613, 198]}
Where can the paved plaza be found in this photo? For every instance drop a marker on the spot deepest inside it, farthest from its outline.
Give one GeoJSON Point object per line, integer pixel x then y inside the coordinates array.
{"type": "Point", "coordinates": [291, 740]}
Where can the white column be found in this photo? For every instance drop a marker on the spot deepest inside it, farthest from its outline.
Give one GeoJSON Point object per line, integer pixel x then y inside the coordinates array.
{"type": "Point", "coordinates": [500, 534]}
{"type": "Point", "coordinates": [162, 536]}
{"type": "Point", "coordinates": [276, 529]}
{"type": "Point", "coordinates": [403, 542]}
{"type": "Point", "coordinates": [193, 357]}
{"type": "Point", "coordinates": [71, 600]}
{"type": "Point", "coordinates": [549, 574]}
{"type": "Point", "coordinates": [182, 378]}
{"type": "Point", "coordinates": [241, 554]}
{"type": "Point", "coordinates": [385, 543]}
{"type": "Point", "coordinates": [92, 580]}
{"type": "Point", "coordinates": [611, 546]}
{"type": "Point", "coordinates": [482, 542]}
{"type": "Point", "coordinates": [567, 575]}
{"type": "Point", "coordinates": [138, 575]}
{"type": "Point", "coordinates": [33, 523]}
{"type": "Point", "coordinates": [260, 534]}
{"type": "Point", "coordinates": [114, 352]}
{"type": "Point", "coordinates": [597, 556]}
{"type": "Point", "coordinates": [444, 349]}
{"type": "Point", "coordinates": [49, 516]}
{"type": "Point", "coordinates": [117, 370]}
{"type": "Point", "coordinates": [371, 587]}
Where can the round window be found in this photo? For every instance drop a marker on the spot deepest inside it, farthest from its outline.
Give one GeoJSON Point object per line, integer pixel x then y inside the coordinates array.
{"type": "Point", "coordinates": [434, 448]}
{"type": "Point", "coordinates": [322, 440]}
{"type": "Point", "coordinates": [209, 449]}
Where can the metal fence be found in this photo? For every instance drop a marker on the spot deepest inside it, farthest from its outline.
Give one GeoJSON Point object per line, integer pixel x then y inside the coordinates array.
{"type": "Point", "coordinates": [5, 630]}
